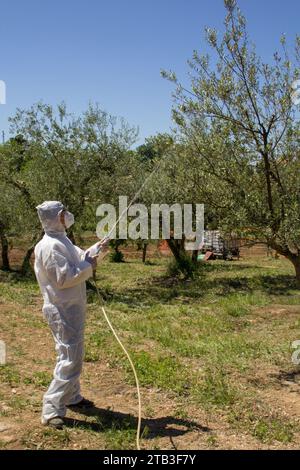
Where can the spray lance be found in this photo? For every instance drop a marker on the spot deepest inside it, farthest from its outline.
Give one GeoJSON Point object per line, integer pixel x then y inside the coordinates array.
{"type": "Point", "coordinates": [95, 250]}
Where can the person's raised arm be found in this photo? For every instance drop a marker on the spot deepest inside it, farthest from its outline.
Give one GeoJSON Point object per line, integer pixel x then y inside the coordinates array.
{"type": "Point", "coordinates": [65, 274]}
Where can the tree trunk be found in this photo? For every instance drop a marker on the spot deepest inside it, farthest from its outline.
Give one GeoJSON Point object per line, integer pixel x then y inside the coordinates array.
{"type": "Point", "coordinates": [296, 262]}
{"type": "Point", "coordinates": [145, 246]}
{"type": "Point", "coordinates": [71, 236]}
{"type": "Point", "coordinates": [175, 248]}
{"type": "Point", "coordinates": [4, 250]}
{"type": "Point", "coordinates": [195, 256]}
{"type": "Point", "coordinates": [26, 266]}
{"type": "Point", "coordinates": [295, 259]}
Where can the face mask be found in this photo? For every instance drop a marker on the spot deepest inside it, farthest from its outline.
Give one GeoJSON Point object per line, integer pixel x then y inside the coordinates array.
{"type": "Point", "coordinates": [69, 219]}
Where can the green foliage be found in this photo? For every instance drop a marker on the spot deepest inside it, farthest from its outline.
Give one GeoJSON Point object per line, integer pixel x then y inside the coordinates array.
{"type": "Point", "coordinates": [117, 257]}
{"type": "Point", "coordinates": [268, 430]}
{"type": "Point", "coordinates": [81, 161]}
{"type": "Point", "coordinates": [183, 266]}
{"type": "Point", "coordinates": [215, 389]}
{"type": "Point", "coordinates": [40, 379]}
{"type": "Point", "coordinates": [162, 372]}
{"type": "Point", "coordinates": [239, 129]}
{"type": "Point", "coordinates": [9, 375]}
{"type": "Point", "coordinates": [46, 438]}
{"type": "Point", "coordinates": [265, 427]}
{"type": "Point", "coordinates": [155, 147]}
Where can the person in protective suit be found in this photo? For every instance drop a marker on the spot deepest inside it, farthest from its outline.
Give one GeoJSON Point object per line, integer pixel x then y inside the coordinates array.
{"type": "Point", "coordinates": [61, 269]}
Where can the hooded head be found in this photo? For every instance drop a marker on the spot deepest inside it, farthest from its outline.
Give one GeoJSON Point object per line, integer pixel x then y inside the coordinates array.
{"type": "Point", "coordinates": [50, 216]}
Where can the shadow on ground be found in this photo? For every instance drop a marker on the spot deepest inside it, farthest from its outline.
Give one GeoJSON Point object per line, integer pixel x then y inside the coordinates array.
{"type": "Point", "coordinates": [164, 290]}
{"type": "Point", "coordinates": [285, 377]}
{"type": "Point", "coordinates": [168, 426]}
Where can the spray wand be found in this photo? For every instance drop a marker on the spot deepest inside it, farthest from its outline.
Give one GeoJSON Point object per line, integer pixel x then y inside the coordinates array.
{"type": "Point", "coordinates": [102, 302]}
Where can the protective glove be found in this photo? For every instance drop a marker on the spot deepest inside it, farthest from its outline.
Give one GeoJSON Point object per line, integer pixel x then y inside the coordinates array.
{"type": "Point", "coordinates": [95, 249]}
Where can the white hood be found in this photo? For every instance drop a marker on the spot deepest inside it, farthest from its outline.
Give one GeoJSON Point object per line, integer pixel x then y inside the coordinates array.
{"type": "Point", "coordinates": [49, 215]}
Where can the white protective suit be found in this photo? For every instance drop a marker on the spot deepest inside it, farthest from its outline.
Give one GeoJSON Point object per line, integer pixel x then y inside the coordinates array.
{"type": "Point", "coordinates": [61, 271]}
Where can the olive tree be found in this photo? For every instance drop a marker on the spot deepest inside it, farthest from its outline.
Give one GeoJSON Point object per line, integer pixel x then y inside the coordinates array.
{"type": "Point", "coordinates": [79, 160]}
{"type": "Point", "coordinates": [238, 118]}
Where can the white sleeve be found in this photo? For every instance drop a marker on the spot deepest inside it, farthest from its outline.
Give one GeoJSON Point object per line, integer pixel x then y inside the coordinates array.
{"type": "Point", "coordinates": [81, 252]}
{"type": "Point", "coordinates": [65, 274]}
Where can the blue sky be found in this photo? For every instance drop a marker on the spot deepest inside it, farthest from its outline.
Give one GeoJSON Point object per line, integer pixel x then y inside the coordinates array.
{"type": "Point", "coordinates": [111, 52]}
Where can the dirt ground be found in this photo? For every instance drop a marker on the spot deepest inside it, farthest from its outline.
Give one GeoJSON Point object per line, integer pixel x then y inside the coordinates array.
{"type": "Point", "coordinates": [20, 402]}
{"type": "Point", "coordinates": [170, 421]}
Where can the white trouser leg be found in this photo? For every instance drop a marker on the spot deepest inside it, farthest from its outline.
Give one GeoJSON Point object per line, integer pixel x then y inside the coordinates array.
{"type": "Point", "coordinates": [64, 388]}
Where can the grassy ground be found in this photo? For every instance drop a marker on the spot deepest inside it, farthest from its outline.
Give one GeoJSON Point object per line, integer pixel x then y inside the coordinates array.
{"type": "Point", "coordinates": [213, 357]}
